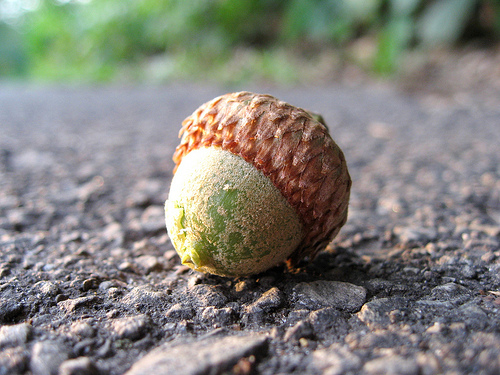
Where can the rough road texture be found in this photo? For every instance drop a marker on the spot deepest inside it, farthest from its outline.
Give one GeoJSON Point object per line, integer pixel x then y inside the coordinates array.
{"type": "Point", "coordinates": [89, 283]}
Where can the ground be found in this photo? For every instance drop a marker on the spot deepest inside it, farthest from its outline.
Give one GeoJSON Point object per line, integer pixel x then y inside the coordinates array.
{"type": "Point", "coordinates": [90, 284]}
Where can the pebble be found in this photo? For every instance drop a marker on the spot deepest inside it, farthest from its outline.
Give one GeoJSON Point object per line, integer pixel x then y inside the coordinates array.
{"type": "Point", "coordinates": [149, 263]}
{"type": "Point", "coordinates": [207, 295]}
{"type": "Point", "coordinates": [90, 283]}
{"type": "Point", "coordinates": [302, 329]}
{"type": "Point", "coordinates": [72, 304]}
{"type": "Point", "coordinates": [217, 317]}
{"type": "Point", "coordinates": [127, 266]}
{"type": "Point", "coordinates": [144, 295]}
{"type": "Point", "coordinates": [428, 363]}
{"type": "Point", "coordinates": [336, 360]}
{"type": "Point", "coordinates": [132, 328]}
{"type": "Point", "coordinates": [105, 350]}
{"type": "Point", "coordinates": [179, 312]}
{"type": "Point", "coordinates": [82, 329]}
{"type": "Point", "coordinates": [474, 317]}
{"type": "Point", "coordinates": [383, 287]}
{"type": "Point", "coordinates": [10, 310]}
{"type": "Point", "coordinates": [15, 335]}
{"type": "Point", "coordinates": [13, 361]}
{"type": "Point", "coordinates": [4, 269]}
{"type": "Point", "coordinates": [47, 288]}
{"type": "Point", "coordinates": [268, 301]}
{"type": "Point", "coordinates": [391, 365]}
{"type": "Point", "coordinates": [46, 357]}
{"type": "Point", "coordinates": [377, 313]}
{"type": "Point", "coordinates": [84, 346]}
{"type": "Point", "coordinates": [336, 294]}
{"type": "Point", "coordinates": [144, 192]}
{"type": "Point", "coordinates": [409, 235]}
{"type": "Point", "coordinates": [446, 296]}
{"type": "Point", "coordinates": [490, 359]}
{"type": "Point", "coordinates": [256, 312]}
{"type": "Point", "coordinates": [114, 232]}
{"type": "Point", "coordinates": [78, 366]}
{"type": "Point", "coordinates": [208, 356]}
{"type": "Point", "coordinates": [153, 220]}
{"type": "Point", "coordinates": [328, 318]}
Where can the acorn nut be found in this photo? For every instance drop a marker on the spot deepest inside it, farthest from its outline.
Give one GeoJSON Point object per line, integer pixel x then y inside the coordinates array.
{"type": "Point", "coordinates": [257, 182]}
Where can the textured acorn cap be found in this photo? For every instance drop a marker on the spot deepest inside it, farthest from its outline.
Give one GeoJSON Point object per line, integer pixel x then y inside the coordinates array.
{"type": "Point", "coordinates": [290, 146]}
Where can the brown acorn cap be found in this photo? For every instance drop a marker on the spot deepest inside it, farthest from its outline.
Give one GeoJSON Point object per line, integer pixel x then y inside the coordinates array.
{"type": "Point", "coordinates": [291, 148]}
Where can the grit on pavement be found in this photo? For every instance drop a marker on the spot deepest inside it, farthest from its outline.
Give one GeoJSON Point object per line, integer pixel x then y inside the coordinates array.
{"type": "Point", "coordinates": [90, 283]}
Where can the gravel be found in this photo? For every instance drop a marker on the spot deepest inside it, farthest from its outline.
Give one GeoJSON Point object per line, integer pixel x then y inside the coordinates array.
{"type": "Point", "coordinates": [90, 283]}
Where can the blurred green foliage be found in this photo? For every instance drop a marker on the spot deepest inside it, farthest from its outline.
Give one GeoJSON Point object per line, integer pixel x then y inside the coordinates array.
{"type": "Point", "coordinates": [100, 40]}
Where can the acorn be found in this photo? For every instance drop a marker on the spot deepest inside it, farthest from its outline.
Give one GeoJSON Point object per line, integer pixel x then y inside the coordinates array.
{"type": "Point", "coordinates": [257, 182]}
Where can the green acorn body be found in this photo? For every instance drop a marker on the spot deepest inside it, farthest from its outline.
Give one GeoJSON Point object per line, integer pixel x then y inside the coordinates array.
{"type": "Point", "coordinates": [258, 182]}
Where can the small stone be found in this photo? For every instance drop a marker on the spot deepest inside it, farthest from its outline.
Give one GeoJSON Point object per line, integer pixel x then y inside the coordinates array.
{"type": "Point", "coordinates": [208, 356]}
{"type": "Point", "coordinates": [302, 329]}
{"type": "Point", "coordinates": [428, 363]}
{"type": "Point", "coordinates": [10, 310]}
{"type": "Point", "coordinates": [382, 287]}
{"type": "Point", "coordinates": [149, 263]}
{"type": "Point", "coordinates": [266, 302]}
{"type": "Point", "coordinates": [144, 296]}
{"type": "Point", "coordinates": [71, 305]}
{"type": "Point", "coordinates": [490, 359]}
{"type": "Point", "coordinates": [409, 235]}
{"type": "Point", "coordinates": [396, 316]}
{"type": "Point", "coordinates": [179, 312]}
{"type": "Point", "coordinates": [46, 357]}
{"type": "Point", "coordinates": [377, 338]}
{"type": "Point", "coordinates": [145, 192]}
{"type": "Point", "coordinates": [390, 205]}
{"type": "Point", "coordinates": [84, 347]}
{"type": "Point", "coordinates": [91, 283]}
{"type": "Point", "coordinates": [488, 257]}
{"type": "Point", "coordinates": [327, 318]}
{"type": "Point", "coordinates": [245, 366]}
{"type": "Point", "coordinates": [297, 315]}
{"type": "Point", "coordinates": [115, 233]}
{"type": "Point", "coordinates": [105, 350]}
{"type": "Point", "coordinates": [243, 285]}
{"type": "Point", "coordinates": [170, 254]}
{"type": "Point", "coordinates": [153, 220]}
{"type": "Point", "coordinates": [4, 270]}
{"type": "Point", "coordinates": [127, 266]}
{"type": "Point", "coordinates": [82, 329]}
{"type": "Point", "coordinates": [446, 296]}
{"type": "Point", "coordinates": [472, 315]}
{"type": "Point", "coordinates": [377, 313]}
{"type": "Point", "coordinates": [336, 360]}
{"type": "Point", "coordinates": [13, 361]}
{"type": "Point", "coordinates": [47, 288]}
{"type": "Point", "coordinates": [132, 328]}
{"type": "Point", "coordinates": [391, 365]}
{"type": "Point", "coordinates": [108, 284]}
{"type": "Point", "coordinates": [78, 366]}
{"type": "Point", "coordinates": [218, 317]}
{"type": "Point", "coordinates": [435, 328]}
{"type": "Point", "coordinates": [336, 294]}
{"type": "Point", "coordinates": [15, 335]}
{"type": "Point", "coordinates": [208, 295]}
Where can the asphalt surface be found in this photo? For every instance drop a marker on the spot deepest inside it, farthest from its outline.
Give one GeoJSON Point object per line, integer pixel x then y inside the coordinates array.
{"type": "Point", "coordinates": [90, 284]}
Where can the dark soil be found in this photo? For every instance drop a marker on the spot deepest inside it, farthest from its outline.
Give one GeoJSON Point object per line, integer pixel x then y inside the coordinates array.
{"type": "Point", "coordinates": [90, 284]}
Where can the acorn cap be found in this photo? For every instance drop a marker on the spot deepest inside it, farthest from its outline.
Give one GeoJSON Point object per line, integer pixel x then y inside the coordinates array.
{"type": "Point", "coordinates": [290, 146]}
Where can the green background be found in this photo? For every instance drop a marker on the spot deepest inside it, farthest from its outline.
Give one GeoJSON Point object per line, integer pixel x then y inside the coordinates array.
{"type": "Point", "coordinates": [228, 40]}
